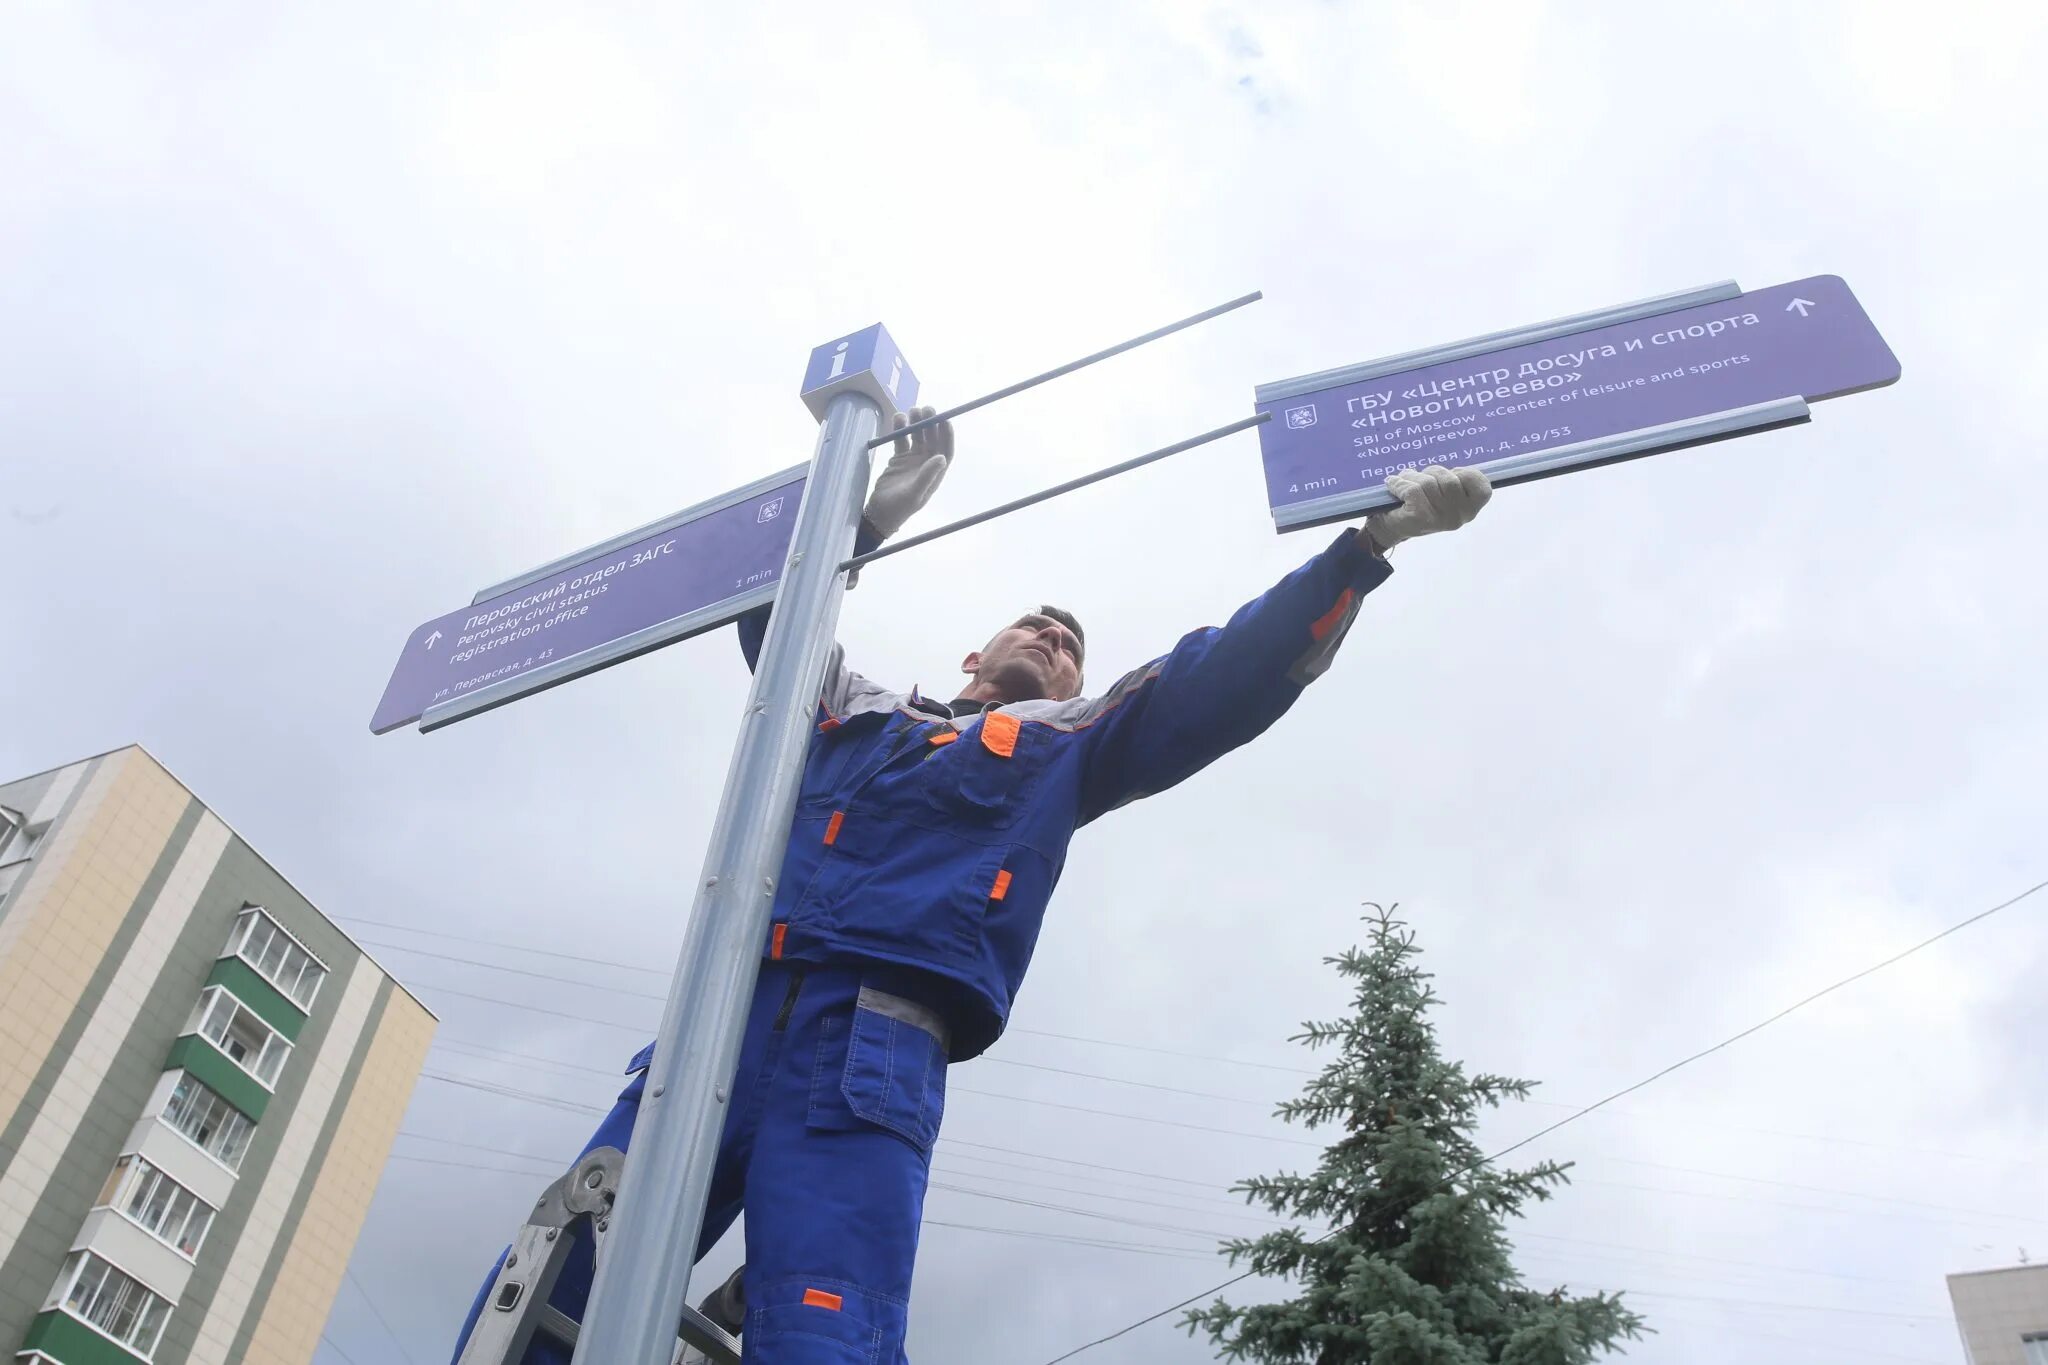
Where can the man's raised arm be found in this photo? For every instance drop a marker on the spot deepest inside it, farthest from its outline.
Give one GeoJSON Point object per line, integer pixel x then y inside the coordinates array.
{"type": "Point", "coordinates": [1219, 688]}
{"type": "Point", "coordinates": [906, 484]}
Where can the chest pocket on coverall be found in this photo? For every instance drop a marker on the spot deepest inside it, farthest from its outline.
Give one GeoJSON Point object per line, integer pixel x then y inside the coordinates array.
{"type": "Point", "coordinates": [988, 777]}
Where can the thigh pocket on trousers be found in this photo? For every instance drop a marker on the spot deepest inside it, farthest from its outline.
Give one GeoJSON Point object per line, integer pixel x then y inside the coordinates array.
{"type": "Point", "coordinates": [809, 1333]}
{"type": "Point", "coordinates": [881, 1070]}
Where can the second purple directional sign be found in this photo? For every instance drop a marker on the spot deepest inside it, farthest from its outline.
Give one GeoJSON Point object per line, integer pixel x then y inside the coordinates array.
{"type": "Point", "coordinates": [601, 606]}
{"type": "Point", "coordinates": [650, 587]}
{"type": "Point", "coordinates": [1569, 394]}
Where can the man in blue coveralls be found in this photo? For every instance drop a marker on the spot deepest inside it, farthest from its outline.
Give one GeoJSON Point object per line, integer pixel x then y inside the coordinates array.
{"type": "Point", "coordinates": [927, 841]}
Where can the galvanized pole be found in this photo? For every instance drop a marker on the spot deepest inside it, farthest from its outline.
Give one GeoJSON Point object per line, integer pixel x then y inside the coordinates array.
{"type": "Point", "coordinates": [644, 1274]}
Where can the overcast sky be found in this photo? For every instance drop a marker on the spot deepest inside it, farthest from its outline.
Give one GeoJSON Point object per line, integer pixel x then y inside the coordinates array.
{"type": "Point", "coordinates": [318, 318]}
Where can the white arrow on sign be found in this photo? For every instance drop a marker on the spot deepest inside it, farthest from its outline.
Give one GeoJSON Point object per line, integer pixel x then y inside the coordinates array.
{"type": "Point", "coordinates": [433, 639]}
{"type": "Point", "coordinates": [1800, 306]}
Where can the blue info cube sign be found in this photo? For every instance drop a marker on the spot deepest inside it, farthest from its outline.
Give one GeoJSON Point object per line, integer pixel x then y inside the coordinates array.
{"type": "Point", "coordinates": [867, 362]}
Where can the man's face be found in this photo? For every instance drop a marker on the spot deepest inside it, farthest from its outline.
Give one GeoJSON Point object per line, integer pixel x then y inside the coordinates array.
{"type": "Point", "coordinates": [1035, 658]}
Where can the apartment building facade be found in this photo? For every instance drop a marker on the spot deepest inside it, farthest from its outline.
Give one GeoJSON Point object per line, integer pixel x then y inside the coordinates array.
{"type": "Point", "coordinates": [200, 1080]}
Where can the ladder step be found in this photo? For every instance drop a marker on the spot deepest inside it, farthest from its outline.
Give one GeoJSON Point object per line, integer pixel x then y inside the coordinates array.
{"type": "Point", "coordinates": [718, 1346]}
{"type": "Point", "coordinates": [707, 1336]}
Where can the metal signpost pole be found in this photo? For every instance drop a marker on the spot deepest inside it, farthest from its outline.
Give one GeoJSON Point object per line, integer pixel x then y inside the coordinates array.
{"type": "Point", "coordinates": [644, 1275]}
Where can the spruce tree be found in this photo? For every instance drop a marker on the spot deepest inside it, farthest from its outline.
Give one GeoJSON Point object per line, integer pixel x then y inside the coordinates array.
{"type": "Point", "coordinates": [1416, 1267]}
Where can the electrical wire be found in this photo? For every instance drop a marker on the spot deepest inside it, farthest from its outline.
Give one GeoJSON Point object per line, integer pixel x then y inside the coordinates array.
{"type": "Point", "coordinates": [1610, 1111]}
{"type": "Point", "coordinates": [495, 943]}
{"type": "Point", "coordinates": [378, 1313]}
{"type": "Point", "coordinates": [1189, 1253]}
{"type": "Point", "coordinates": [999, 1095]}
{"type": "Point", "coordinates": [474, 939]}
{"type": "Point", "coordinates": [1720, 1328]}
{"type": "Point", "coordinates": [1241, 1209]}
{"type": "Point", "coordinates": [476, 1052]}
{"type": "Point", "coordinates": [1817, 1189]}
{"type": "Point", "coordinates": [948, 1169]}
{"type": "Point", "coordinates": [951, 1141]}
{"type": "Point", "coordinates": [1149, 1248]}
{"type": "Point", "coordinates": [1794, 1307]}
{"type": "Point", "coordinates": [556, 1102]}
{"type": "Point", "coordinates": [1135, 1118]}
{"type": "Point", "coordinates": [554, 978]}
{"type": "Point", "coordinates": [512, 1092]}
{"type": "Point", "coordinates": [1767, 1273]}
{"type": "Point", "coordinates": [995, 1061]}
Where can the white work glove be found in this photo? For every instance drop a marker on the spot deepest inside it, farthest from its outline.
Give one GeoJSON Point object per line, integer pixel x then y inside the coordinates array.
{"type": "Point", "coordinates": [1433, 499]}
{"type": "Point", "coordinates": [912, 474]}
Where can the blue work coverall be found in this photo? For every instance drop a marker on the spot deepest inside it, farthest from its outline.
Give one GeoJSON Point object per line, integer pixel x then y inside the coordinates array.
{"type": "Point", "coordinates": [925, 847]}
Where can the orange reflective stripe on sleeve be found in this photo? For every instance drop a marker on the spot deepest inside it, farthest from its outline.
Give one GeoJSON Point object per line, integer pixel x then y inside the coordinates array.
{"type": "Point", "coordinates": [828, 725]}
{"type": "Point", "coordinates": [944, 737]}
{"type": "Point", "coordinates": [832, 827]}
{"type": "Point", "coordinates": [818, 1298]}
{"type": "Point", "coordinates": [1332, 618]}
{"type": "Point", "coordinates": [775, 944]}
{"type": "Point", "coordinates": [999, 732]}
{"type": "Point", "coordinates": [1002, 887]}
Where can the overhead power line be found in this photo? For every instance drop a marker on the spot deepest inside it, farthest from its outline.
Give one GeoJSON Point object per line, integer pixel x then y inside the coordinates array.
{"type": "Point", "coordinates": [1162, 1051]}
{"type": "Point", "coordinates": [513, 1092]}
{"type": "Point", "coordinates": [1029, 1234]}
{"type": "Point", "coordinates": [378, 1313]}
{"type": "Point", "coordinates": [957, 1089]}
{"type": "Point", "coordinates": [1135, 1118]}
{"type": "Point", "coordinates": [551, 953]}
{"type": "Point", "coordinates": [1717, 1323]}
{"type": "Point", "coordinates": [993, 1061]}
{"type": "Point", "coordinates": [1238, 1207]}
{"type": "Point", "coordinates": [573, 1106]}
{"type": "Point", "coordinates": [1758, 1270]}
{"type": "Point", "coordinates": [1643, 1259]}
{"type": "Point", "coordinates": [1833, 1139]}
{"type": "Point", "coordinates": [559, 956]}
{"type": "Point", "coordinates": [1796, 1307]}
{"type": "Point", "coordinates": [555, 978]}
{"type": "Point", "coordinates": [1609, 1110]}
{"type": "Point", "coordinates": [952, 1141]}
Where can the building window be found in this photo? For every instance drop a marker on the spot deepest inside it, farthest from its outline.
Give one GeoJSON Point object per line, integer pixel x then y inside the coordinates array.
{"type": "Point", "coordinates": [18, 840]}
{"type": "Point", "coordinates": [263, 943]}
{"type": "Point", "coordinates": [241, 1033]}
{"type": "Point", "coordinates": [213, 1125]}
{"type": "Point", "coordinates": [158, 1205]}
{"type": "Point", "coordinates": [98, 1292]}
{"type": "Point", "coordinates": [2035, 1346]}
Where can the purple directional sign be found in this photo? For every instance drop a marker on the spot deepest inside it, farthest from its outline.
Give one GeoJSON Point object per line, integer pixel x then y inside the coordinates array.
{"type": "Point", "coordinates": [650, 587]}
{"type": "Point", "coordinates": [1564, 395]}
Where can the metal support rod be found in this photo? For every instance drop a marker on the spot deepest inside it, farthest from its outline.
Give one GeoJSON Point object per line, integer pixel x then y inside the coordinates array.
{"type": "Point", "coordinates": [1069, 486]}
{"type": "Point", "coordinates": [1169, 329]}
{"type": "Point", "coordinates": [643, 1276]}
